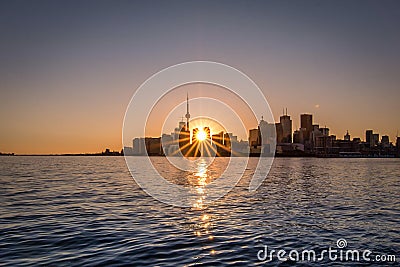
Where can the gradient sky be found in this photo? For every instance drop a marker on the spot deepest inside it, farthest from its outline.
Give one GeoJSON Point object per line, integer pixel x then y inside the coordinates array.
{"type": "Point", "coordinates": [69, 68]}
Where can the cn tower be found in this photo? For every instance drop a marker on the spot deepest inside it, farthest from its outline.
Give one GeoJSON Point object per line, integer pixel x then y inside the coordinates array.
{"type": "Point", "coordinates": [187, 112]}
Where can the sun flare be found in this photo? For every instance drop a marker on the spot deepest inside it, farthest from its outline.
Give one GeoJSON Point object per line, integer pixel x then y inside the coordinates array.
{"type": "Point", "coordinates": [201, 135]}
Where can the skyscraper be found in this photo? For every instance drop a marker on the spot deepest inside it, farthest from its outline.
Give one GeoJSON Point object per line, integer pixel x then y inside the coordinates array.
{"type": "Point", "coordinates": [267, 132]}
{"type": "Point", "coordinates": [375, 137]}
{"type": "Point", "coordinates": [227, 148]}
{"type": "Point", "coordinates": [369, 137]}
{"type": "Point", "coordinates": [306, 124]}
{"type": "Point", "coordinates": [254, 138]}
{"type": "Point", "coordinates": [385, 141]}
{"type": "Point", "coordinates": [184, 141]}
{"type": "Point", "coordinates": [227, 140]}
{"type": "Point", "coordinates": [286, 124]}
{"type": "Point", "coordinates": [218, 138]}
{"type": "Point", "coordinates": [279, 132]}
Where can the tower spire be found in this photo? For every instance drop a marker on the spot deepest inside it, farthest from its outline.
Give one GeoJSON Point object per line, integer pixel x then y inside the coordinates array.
{"type": "Point", "coordinates": [187, 112]}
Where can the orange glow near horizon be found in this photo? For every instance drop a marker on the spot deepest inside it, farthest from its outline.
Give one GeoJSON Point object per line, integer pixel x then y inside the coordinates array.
{"type": "Point", "coordinates": [210, 106]}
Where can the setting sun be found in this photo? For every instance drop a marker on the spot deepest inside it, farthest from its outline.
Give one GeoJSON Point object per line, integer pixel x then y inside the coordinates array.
{"type": "Point", "coordinates": [201, 135]}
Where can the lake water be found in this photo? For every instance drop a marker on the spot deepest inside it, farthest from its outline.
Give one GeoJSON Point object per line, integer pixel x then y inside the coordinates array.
{"type": "Point", "coordinates": [85, 211]}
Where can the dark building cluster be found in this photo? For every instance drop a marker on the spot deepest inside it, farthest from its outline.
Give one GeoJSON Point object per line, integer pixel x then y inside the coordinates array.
{"type": "Point", "coordinates": [312, 140]}
{"type": "Point", "coordinates": [6, 154]}
{"type": "Point", "coordinates": [309, 140]}
{"type": "Point", "coordinates": [183, 142]}
{"type": "Point", "coordinates": [108, 152]}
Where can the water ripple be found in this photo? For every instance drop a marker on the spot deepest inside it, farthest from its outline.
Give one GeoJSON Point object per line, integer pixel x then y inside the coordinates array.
{"type": "Point", "coordinates": [85, 211]}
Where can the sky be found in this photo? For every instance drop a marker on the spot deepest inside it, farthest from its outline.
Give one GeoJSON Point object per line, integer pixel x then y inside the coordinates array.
{"type": "Point", "coordinates": [68, 69]}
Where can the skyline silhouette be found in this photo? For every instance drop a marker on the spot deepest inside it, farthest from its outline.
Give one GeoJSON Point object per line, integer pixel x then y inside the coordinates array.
{"type": "Point", "coordinates": [270, 139]}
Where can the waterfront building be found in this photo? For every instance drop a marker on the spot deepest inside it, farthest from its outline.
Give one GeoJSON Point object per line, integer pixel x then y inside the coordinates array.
{"type": "Point", "coordinates": [139, 147]}
{"type": "Point", "coordinates": [306, 123]}
{"type": "Point", "coordinates": [369, 137]}
{"type": "Point", "coordinates": [218, 138]}
{"type": "Point", "coordinates": [285, 128]}
{"type": "Point", "coordinates": [385, 141]}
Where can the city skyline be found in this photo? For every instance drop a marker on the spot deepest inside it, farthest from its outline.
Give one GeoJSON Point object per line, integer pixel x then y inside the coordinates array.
{"type": "Point", "coordinates": [69, 69]}
{"type": "Point", "coordinates": [348, 131]}
{"type": "Point", "coordinates": [268, 139]}
{"type": "Point", "coordinates": [285, 121]}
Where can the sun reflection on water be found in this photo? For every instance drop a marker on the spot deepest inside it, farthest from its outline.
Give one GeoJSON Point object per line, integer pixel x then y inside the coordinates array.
{"type": "Point", "coordinates": [203, 223]}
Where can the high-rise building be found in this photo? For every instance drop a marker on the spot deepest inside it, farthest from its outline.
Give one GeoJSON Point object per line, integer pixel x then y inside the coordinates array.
{"type": "Point", "coordinates": [261, 140]}
{"type": "Point", "coordinates": [306, 123]}
{"type": "Point", "coordinates": [297, 137]}
{"type": "Point", "coordinates": [153, 146]}
{"type": "Point", "coordinates": [218, 138]}
{"type": "Point", "coordinates": [218, 141]}
{"type": "Point", "coordinates": [279, 132]}
{"type": "Point", "coordinates": [254, 138]}
{"type": "Point", "coordinates": [375, 137]}
{"type": "Point", "coordinates": [184, 141]}
{"type": "Point", "coordinates": [325, 130]}
{"type": "Point", "coordinates": [385, 141]}
{"type": "Point", "coordinates": [166, 141]}
{"type": "Point", "coordinates": [267, 132]}
{"type": "Point", "coordinates": [286, 124]}
{"type": "Point", "coordinates": [316, 132]}
{"type": "Point", "coordinates": [227, 149]}
{"type": "Point", "coordinates": [369, 138]}
{"type": "Point", "coordinates": [227, 140]}
{"type": "Point", "coordinates": [139, 147]}
{"type": "Point", "coordinates": [182, 125]}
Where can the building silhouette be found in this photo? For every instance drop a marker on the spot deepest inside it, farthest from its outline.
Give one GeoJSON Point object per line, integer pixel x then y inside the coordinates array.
{"type": "Point", "coordinates": [347, 136]}
{"type": "Point", "coordinates": [218, 138]}
{"type": "Point", "coordinates": [262, 139]}
{"type": "Point", "coordinates": [184, 140]}
{"type": "Point", "coordinates": [306, 126]}
{"type": "Point", "coordinates": [398, 146]}
{"type": "Point", "coordinates": [284, 129]}
{"type": "Point", "coordinates": [369, 137]}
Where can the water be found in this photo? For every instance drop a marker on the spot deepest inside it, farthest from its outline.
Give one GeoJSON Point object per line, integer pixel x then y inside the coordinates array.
{"type": "Point", "coordinates": [85, 211]}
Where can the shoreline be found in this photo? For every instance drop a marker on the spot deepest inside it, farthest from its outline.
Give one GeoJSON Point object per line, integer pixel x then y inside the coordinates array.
{"type": "Point", "coordinates": [251, 156]}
